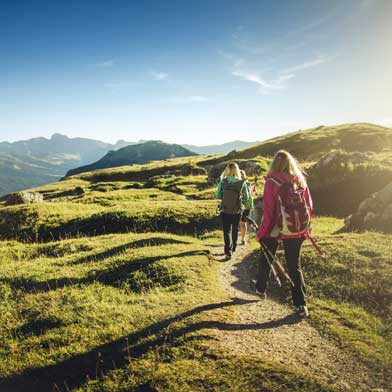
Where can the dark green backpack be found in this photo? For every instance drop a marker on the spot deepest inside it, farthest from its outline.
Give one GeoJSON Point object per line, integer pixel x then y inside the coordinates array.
{"type": "Point", "coordinates": [232, 196]}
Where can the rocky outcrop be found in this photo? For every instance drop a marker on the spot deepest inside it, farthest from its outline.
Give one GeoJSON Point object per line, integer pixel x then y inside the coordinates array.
{"type": "Point", "coordinates": [192, 170]}
{"type": "Point", "coordinates": [375, 212]}
{"type": "Point", "coordinates": [23, 198]}
{"type": "Point", "coordinates": [337, 157]}
{"type": "Point", "coordinates": [251, 168]}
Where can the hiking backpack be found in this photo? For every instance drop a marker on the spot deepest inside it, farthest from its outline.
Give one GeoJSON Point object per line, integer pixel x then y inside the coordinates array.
{"type": "Point", "coordinates": [293, 211]}
{"type": "Point", "coordinates": [232, 196]}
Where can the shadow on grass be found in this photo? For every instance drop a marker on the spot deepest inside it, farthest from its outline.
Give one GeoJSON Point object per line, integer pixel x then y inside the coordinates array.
{"type": "Point", "coordinates": [112, 276]}
{"type": "Point", "coordinates": [73, 372]}
{"type": "Point", "coordinates": [131, 245]}
{"type": "Point", "coordinates": [38, 326]}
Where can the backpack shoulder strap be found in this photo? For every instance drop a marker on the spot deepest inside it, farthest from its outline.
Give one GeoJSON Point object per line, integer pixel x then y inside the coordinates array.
{"type": "Point", "coordinates": [275, 180]}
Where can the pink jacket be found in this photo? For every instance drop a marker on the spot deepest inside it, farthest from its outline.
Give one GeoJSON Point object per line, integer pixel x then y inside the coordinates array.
{"type": "Point", "coordinates": [270, 204]}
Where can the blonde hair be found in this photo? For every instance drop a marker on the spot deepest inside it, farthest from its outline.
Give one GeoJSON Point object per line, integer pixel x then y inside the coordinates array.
{"type": "Point", "coordinates": [284, 162]}
{"type": "Point", "coordinates": [231, 170]}
{"type": "Point", "coordinates": [243, 175]}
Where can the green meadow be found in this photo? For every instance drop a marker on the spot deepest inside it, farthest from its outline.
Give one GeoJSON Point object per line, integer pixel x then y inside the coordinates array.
{"type": "Point", "coordinates": [115, 288]}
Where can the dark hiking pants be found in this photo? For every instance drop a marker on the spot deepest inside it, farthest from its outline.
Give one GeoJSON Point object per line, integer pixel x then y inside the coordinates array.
{"type": "Point", "coordinates": [230, 231]}
{"type": "Point", "coordinates": [292, 253]}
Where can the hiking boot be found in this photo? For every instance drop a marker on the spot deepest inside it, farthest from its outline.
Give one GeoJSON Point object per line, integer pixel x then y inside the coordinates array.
{"type": "Point", "coordinates": [253, 286]}
{"type": "Point", "coordinates": [302, 311]}
{"type": "Point", "coordinates": [243, 242]}
{"type": "Point", "coordinates": [261, 294]}
{"type": "Point", "coordinates": [227, 257]}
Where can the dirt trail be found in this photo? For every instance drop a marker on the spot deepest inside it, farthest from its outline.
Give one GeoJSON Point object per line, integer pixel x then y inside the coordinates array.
{"type": "Point", "coordinates": [273, 332]}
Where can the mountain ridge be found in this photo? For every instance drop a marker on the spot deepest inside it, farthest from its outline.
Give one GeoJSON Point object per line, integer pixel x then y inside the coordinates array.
{"type": "Point", "coordinates": [48, 159]}
{"type": "Point", "coordinates": [153, 150]}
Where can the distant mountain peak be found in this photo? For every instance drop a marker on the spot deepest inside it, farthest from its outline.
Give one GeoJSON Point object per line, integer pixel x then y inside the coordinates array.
{"type": "Point", "coordinates": [59, 136]}
{"type": "Point", "coordinates": [152, 150]}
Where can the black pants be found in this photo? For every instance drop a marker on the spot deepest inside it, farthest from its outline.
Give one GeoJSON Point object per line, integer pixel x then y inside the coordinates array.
{"type": "Point", "coordinates": [230, 231]}
{"type": "Point", "coordinates": [292, 253]}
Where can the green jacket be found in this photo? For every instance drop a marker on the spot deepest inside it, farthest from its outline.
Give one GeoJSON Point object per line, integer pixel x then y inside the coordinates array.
{"type": "Point", "coordinates": [247, 199]}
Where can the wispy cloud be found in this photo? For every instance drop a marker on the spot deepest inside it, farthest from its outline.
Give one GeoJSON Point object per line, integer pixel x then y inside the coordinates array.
{"type": "Point", "coordinates": [264, 85]}
{"type": "Point", "coordinates": [119, 85]}
{"type": "Point", "coordinates": [308, 64]}
{"type": "Point", "coordinates": [158, 75]}
{"type": "Point", "coordinates": [106, 64]}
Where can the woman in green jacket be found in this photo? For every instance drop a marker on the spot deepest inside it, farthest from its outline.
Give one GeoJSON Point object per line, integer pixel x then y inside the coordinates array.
{"type": "Point", "coordinates": [234, 193]}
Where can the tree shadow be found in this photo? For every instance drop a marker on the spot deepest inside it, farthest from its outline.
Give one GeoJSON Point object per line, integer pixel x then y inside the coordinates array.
{"type": "Point", "coordinates": [38, 326]}
{"type": "Point", "coordinates": [131, 245]}
{"type": "Point", "coordinates": [73, 372]}
{"type": "Point", "coordinates": [113, 275]}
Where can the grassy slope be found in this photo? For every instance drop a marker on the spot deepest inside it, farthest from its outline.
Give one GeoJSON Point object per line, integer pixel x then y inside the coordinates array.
{"type": "Point", "coordinates": [136, 302]}
{"type": "Point", "coordinates": [350, 293]}
{"type": "Point", "coordinates": [119, 295]}
{"type": "Point", "coordinates": [144, 295]}
{"type": "Point", "coordinates": [143, 299]}
{"type": "Point", "coordinates": [340, 188]}
{"type": "Point", "coordinates": [21, 172]}
{"type": "Point", "coordinates": [110, 204]}
{"type": "Point", "coordinates": [310, 144]}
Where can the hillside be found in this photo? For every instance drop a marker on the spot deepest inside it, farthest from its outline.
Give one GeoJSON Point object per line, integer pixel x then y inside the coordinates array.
{"type": "Point", "coordinates": [136, 154]}
{"type": "Point", "coordinates": [38, 161]}
{"type": "Point", "coordinates": [311, 144]}
{"type": "Point", "coordinates": [121, 287]}
{"type": "Point", "coordinates": [21, 172]}
{"type": "Point", "coordinates": [345, 163]}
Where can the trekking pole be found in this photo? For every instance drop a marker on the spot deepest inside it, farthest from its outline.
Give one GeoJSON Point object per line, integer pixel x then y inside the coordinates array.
{"type": "Point", "coordinates": [271, 266]}
{"type": "Point", "coordinates": [317, 247]}
{"type": "Point", "coordinates": [280, 265]}
{"type": "Point", "coordinates": [252, 222]}
{"type": "Point", "coordinates": [274, 257]}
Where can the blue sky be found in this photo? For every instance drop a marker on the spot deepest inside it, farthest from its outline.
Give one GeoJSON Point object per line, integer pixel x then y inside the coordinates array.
{"type": "Point", "coordinates": [201, 71]}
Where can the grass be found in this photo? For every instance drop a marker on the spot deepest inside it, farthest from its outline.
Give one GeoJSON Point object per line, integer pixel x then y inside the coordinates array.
{"type": "Point", "coordinates": [46, 221]}
{"type": "Point", "coordinates": [114, 289]}
{"type": "Point", "coordinates": [109, 278]}
{"type": "Point", "coordinates": [144, 172]}
{"type": "Point", "coordinates": [131, 311]}
{"type": "Point", "coordinates": [349, 292]}
{"type": "Point", "coordinates": [310, 144]}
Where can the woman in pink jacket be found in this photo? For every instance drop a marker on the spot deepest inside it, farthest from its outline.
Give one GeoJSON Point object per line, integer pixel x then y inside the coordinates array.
{"type": "Point", "coordinates": [283, 171]}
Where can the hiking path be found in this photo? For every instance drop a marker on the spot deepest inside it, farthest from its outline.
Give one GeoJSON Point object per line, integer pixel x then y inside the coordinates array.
{"type": "Point", "coordinates": [272, 331]}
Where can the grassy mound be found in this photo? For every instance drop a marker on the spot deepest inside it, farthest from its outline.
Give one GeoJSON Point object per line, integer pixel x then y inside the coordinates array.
{"type": "Point", "coordinates": [49, 221]}
{"type": "Point", "coordinates": [310, 144]}
{"type": "Point", "coordinates": [144, 172]}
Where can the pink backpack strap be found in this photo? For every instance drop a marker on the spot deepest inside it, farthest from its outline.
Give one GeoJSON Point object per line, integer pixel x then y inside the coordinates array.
{"type": "Point", "coordinates": [275, 181]}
